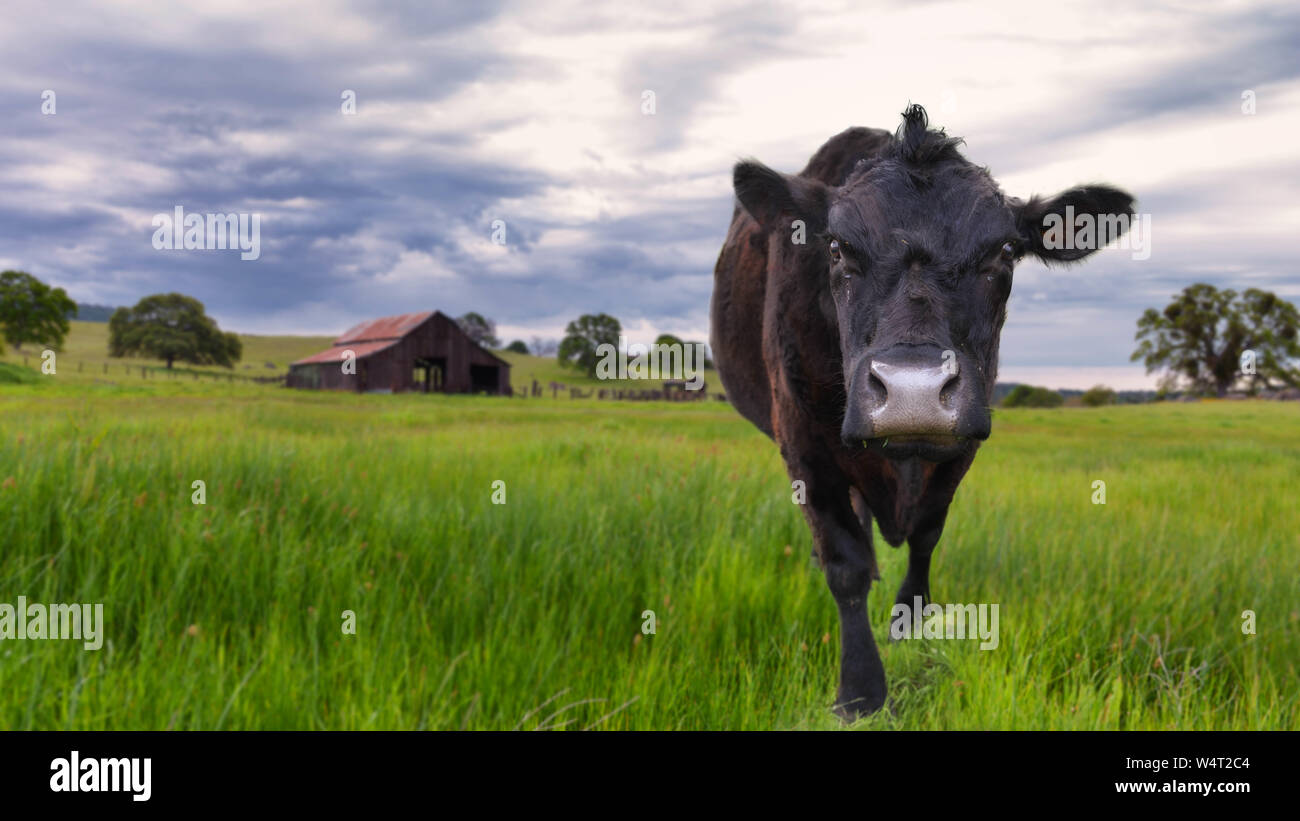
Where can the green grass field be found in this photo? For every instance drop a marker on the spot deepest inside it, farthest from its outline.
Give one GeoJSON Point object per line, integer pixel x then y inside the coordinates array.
{"type": "Point", "coordinates": [528, 614]}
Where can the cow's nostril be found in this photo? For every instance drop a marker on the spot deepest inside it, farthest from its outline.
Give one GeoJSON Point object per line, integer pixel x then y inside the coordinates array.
{"type": "Point", "coordinates": [876, 389]}
{"type": "Point", "coordinates": [948, 391]}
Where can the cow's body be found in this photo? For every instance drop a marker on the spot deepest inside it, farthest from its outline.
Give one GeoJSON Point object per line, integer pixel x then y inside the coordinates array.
{"type": "Point", "coordinates": [777, 343]}
{"type": "Point", "coordinates": [791, 386]}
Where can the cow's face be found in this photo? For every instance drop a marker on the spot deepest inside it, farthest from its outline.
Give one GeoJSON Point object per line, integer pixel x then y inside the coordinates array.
{"type": "Point", "coordinates": [918, 248]}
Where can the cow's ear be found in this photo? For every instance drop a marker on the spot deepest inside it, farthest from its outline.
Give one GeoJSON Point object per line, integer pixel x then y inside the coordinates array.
{"type": "Point", "coordinates": [1045, 222]}
{"type": "Point", "coordinates": [776, 199]}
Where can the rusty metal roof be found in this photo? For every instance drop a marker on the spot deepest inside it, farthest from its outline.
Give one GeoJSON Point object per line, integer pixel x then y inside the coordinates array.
{"type": "Point", "coordinates": [335, 355]}
{"type": "Point", "coordinates": [387, 327]}
{"type": "Point", "coordinates": [375, 335]}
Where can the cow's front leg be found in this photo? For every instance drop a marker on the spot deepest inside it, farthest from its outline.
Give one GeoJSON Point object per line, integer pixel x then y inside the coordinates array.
{"type": "Point", "coordinates": [849, 564]}
{"type": "Point", "coordinates": [916, 584]}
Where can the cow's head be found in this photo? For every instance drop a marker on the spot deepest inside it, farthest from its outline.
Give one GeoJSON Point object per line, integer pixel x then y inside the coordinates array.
{"type": "Point", "coordinates": [918, 247]}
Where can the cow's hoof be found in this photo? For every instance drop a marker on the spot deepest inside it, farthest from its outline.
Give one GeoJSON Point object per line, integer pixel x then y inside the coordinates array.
{"type": "Point", "coordinates": [851, 709]}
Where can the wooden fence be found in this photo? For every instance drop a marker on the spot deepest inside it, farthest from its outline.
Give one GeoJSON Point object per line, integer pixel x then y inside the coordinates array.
{"type": "Point", "coordinates": [669, 391]}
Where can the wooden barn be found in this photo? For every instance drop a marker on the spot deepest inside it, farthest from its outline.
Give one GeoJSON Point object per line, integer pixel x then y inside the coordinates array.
{"type": "Point", "coordinates": [410, 352]}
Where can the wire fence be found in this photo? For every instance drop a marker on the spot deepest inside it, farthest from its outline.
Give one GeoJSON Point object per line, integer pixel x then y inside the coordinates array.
{"type": "Point", "coordinates": [146, 372]}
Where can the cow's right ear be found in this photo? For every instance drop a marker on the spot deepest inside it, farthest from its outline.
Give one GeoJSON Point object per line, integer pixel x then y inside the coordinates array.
{"type": "Point", "coordinates": [775, 199]}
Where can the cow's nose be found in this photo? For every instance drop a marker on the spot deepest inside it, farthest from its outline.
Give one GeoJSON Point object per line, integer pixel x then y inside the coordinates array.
{"type": "Point", "coordinates": [911, 398]}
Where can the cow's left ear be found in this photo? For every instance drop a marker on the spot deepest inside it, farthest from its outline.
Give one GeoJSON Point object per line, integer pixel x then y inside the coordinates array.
{"type": "Point", "coordinates": [774, 199]}
{"type": "Point", "coordinates": [1045, 222]}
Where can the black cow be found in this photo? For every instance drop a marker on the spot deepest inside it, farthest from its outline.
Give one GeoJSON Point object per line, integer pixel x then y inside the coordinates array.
{"type": "Point", "coordinates": [856, 314]}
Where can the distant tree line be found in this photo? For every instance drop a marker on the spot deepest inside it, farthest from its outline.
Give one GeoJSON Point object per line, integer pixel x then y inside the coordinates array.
{"type": "Point", "coordinates": [1014, 394]}
{"type": "Point", "coordinates": [582, 338]}
{"type": "Point", "coordinates": [92, 313]}
{"type": "Point", "coordinates": [1205, 341]}
{"type": "Point", "coordinates": [1030, 396]}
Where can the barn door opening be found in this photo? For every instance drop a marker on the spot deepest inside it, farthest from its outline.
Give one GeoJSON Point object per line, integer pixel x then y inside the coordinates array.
{"type": "Point", "coordinates": [430, 373]}
{"type": "Point", "coordinates": [483, 378]}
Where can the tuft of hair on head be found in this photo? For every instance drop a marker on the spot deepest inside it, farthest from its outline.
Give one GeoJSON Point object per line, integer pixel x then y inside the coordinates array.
{"type": "Point", "coordinates": [917, 145]}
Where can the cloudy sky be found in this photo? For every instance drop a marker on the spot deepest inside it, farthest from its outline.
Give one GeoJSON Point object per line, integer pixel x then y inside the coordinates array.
{"type": "Point", "coordinates": [533, 113]}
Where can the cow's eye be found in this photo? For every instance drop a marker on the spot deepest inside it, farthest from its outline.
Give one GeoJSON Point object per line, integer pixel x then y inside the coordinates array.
{"type": "Point", "coordinates": [836, 255]}
{"type": "Point", "coordinates": [1010, 250]}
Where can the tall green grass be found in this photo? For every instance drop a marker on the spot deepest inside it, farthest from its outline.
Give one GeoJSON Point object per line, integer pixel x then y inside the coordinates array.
{"type": "Point", "coordinates": [528, 614]}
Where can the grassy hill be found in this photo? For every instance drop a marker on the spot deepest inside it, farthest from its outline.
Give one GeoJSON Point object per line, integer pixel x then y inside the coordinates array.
{"type": "Point", "coordinates": [85, 358]}
{"type": "Point", "coordinates": [85, 355]}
